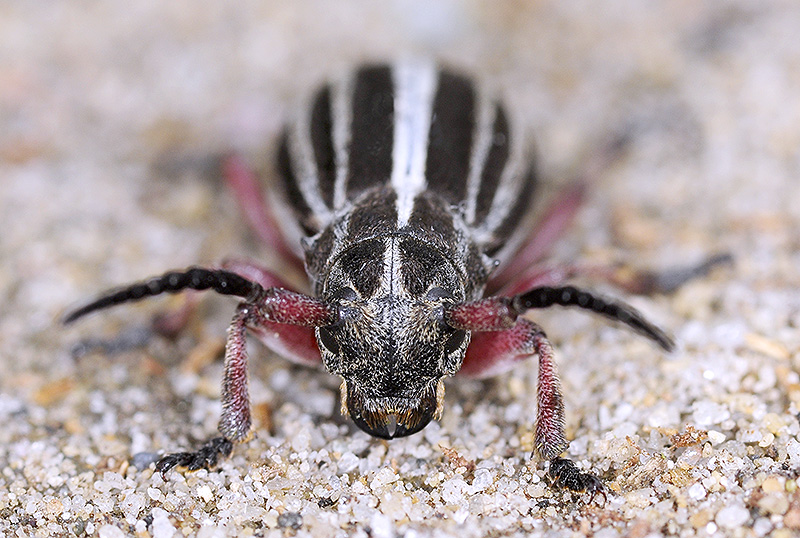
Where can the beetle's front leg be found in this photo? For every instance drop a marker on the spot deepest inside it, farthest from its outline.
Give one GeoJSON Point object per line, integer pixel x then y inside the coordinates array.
{"type": "Point", "coordinates": [235, 423]}
{"type": "Point", "coordinates": [500, 337]}
{"type": "Point", "coordinates": [264, 308]}
{"type": "Point", "coordinates": [489, 352]}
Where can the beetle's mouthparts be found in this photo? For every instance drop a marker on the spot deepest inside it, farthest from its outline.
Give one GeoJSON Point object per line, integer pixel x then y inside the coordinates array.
{"type": "Point", "coordinates": [390, 417]}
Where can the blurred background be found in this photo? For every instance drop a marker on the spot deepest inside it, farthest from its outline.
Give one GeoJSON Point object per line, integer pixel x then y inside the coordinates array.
{"type": "Point", "coordinates": [111, 121]}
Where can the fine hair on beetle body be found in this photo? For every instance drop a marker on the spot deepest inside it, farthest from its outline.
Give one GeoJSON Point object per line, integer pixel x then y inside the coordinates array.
{"type": "Point", "coordinates": [409, 190]}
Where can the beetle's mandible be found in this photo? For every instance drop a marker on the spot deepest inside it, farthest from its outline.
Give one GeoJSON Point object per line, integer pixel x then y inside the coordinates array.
{"type": "Point", "coordinates": [410, 195]}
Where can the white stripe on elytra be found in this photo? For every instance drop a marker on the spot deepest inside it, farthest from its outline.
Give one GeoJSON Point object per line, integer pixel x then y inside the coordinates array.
{"type": "Point", "coordinates": [305, 165]}
{"type": "Point", "coordinates": [415, 84]}
{"type": "Point", "coordinates": [342, 123]}
{"type": "Point", "coordinates": [484, 137]}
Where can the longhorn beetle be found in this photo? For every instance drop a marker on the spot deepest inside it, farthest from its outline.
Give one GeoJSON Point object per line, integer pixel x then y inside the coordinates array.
{"type": "Point", "coordinates": [409, 194]}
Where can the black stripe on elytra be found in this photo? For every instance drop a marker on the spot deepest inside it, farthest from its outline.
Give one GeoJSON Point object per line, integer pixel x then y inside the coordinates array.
{"type": "Point", "coordinates": [321, 131]}
{"type": "Point", "coordinates": [515, 215]}
{"type": "Point", "coordinates": [363, 263]}
{"type": "Point", "coordinates": [372, 131]}
{"type": "Point", "coordinates": [450, 137]}
{"type": "Point", "coordinates": [374, 213]}
{"type": "Point", "coordinates": [431, 217]}
{"type": "Point", "coordinates": [495, 164]}
{"type": "Point", "coordinates": [295, 198]}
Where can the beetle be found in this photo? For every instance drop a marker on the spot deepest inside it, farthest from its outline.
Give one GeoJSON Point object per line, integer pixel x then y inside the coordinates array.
{"type": "Point", "coordinates": [409, 194]}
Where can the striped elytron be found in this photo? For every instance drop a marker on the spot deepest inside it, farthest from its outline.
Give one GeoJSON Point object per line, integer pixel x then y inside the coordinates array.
{"type": "Point", "coordinates": [409, 194]}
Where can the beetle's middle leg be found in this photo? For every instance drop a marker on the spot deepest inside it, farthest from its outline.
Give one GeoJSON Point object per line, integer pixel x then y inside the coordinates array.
{"type": "Point", "coordinates": [500, 337]}
{"type": "Point", "coordinates": [255, 207]}
{"type": "Point", "coordinates": [631, 280]}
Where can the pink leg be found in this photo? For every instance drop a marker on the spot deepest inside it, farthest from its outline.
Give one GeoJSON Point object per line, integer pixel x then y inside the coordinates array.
{"type": "Point", "coordinates": [235, 422]}
{"type": "Point", "coordinates": [294, 342]}
{"type": "Point", "coordinates": [276, 307]}
{"type": "Point", "coordinates": [559, 214]}
{"type": "Point", "coordinates": [548, 230]}
{"type": "Point", "coordinates": [255, 207]}
{"type": "Point", "coordinates": [637, 281]}
{"type": "Point", "coordinates": [500, 337]}
{"type": "Point", "coordinates": [264, 309]}
{"type": "Point", "coordinates": [270, 309]}
{"type": "Point", "coordinates": [491, 352]}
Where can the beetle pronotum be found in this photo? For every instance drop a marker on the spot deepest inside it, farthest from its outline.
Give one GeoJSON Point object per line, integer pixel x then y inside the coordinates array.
{"type": "Point", "coordinates": [409, 194]}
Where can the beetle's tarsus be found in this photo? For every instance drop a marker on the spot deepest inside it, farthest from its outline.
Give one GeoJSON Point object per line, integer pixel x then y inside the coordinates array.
{"type": "Point", "coordinates": [566, 475]}
{"type": "Point", "coordinates": [206, 457]}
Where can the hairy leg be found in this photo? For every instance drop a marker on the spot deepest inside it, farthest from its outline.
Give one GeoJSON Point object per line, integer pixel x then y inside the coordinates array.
{"type": "Point", "coordinates": [559, 214]}
{"type": "Point", "coordinates": [500, 337]}
{"type": "Point", "coordinates": [294, 342]}
{"type": "Point", "coordinates": [263, 308]}
{"type": "Point", "coordinates": [235, 422]}
{"type": "Point", "coordinates": [490, 352]}
{"type": "Point", "coordinates": [273, 307]}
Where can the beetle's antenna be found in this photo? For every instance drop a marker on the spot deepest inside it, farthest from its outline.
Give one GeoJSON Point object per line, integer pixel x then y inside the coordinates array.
{"type": "Point", "coordinates": [194, 278]}
{"type": "Point", "coordinates": [570, 296]}
{"type": "Point", "coordinates": [500, 313]}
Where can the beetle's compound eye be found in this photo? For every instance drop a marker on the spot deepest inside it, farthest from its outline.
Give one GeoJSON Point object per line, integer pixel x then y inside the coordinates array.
{"type": "Point", "coordinates": [336, 296]}
{"type": "Point", "coordinates": [455, 340]}
{"type": "Point", "coordinates": [327, 339]}
{"type": "Point", "coordinates": [434, 294]}
{"type": "Point", "coordinates": [343, 294]}
{"type": "Point", "coordinates": [455, 337]}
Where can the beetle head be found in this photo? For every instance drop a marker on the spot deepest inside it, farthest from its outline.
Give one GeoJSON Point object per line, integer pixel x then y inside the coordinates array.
{"type": "Point", "coordinates": [391, 344]}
